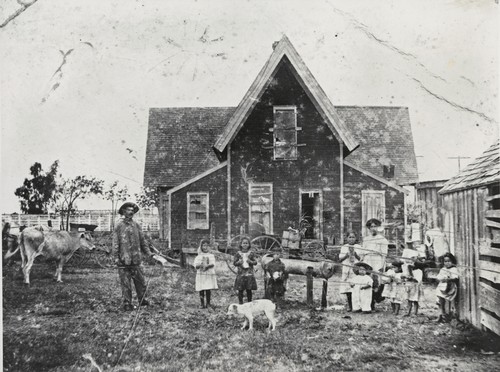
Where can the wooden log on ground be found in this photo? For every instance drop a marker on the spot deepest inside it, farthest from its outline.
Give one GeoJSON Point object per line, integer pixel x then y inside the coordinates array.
{"type": "Point", "coordinates": [321, 269]}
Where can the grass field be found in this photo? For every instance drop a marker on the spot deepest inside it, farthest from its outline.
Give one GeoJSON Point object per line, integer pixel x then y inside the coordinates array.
{"type": "Point", "coordinates": [50, 327]}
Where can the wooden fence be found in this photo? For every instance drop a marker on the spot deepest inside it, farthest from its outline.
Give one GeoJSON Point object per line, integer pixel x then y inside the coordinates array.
{"type": "Point", "coordinates": [103, 219]}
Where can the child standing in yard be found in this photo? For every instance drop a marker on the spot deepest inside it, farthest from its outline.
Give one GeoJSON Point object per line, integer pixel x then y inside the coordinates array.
{"type": "Point", "coordinates": [393, 289]}
{"type": "Point", "coordinates": [206, 279]}
{"type": "Point", "coordinates": [276, 278]}
{"type": "Point", "coordinates": [349, 255]}
{"type": "Point", "coordinates": [362, 288]}
{"type": "Point", "coordinates": [245, 260]}
{"type": "Point", "coordinates": [413, 285]}
{"type": "Point", "coordinates": [446, 290]}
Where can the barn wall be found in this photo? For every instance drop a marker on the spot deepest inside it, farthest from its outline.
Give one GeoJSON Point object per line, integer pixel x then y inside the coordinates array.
{"type": "Point", "coordinates": [472, 221]}
{"type": "Point", "coordinates": [317, 166]}
{"type": "Point", "coordinates": [354, 183]}
{"type": "Point", "coordinates": [432, 213]}
{"type": "Point", "coordinates": [216, 186]}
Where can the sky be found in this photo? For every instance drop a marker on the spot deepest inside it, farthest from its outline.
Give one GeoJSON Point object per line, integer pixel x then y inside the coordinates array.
{"type": "Point", "coordinates": [78, 77]}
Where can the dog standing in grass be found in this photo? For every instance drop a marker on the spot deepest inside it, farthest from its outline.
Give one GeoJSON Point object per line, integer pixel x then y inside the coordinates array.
{"type": "Point", "coordinates": [249, 309]}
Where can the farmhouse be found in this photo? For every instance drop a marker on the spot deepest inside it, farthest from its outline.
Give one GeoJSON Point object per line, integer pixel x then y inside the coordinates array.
{"type": "Point", "coordinates": [284, 154]}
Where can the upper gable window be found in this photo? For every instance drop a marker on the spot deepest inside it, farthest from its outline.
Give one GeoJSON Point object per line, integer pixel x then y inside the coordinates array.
{"type": "Point", "coordinates": [197, 210]}
{"type": "Point", "coordinates": [285, 133]}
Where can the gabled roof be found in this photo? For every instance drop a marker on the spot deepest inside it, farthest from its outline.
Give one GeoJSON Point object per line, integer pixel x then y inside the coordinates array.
{"type": "Point", "coordinates": [179, 144]}
{"type": "Point", "coordinates": [385, 138]}
{"type": "Point", "coordinates": [482, 171]}
{"type": "Point", "coordinates": [308, 83]}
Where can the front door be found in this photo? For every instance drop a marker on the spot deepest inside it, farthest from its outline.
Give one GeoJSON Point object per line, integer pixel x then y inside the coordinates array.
{"type": "Point", "coordinates": [311, 212]}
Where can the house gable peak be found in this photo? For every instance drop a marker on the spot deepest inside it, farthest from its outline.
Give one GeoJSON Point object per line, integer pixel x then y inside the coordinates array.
{"type": "Point", "coordinates": [282, 49]}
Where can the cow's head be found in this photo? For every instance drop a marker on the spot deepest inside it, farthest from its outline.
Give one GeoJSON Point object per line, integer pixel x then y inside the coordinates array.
{"type": "Point", "coordinates": [87, 240]}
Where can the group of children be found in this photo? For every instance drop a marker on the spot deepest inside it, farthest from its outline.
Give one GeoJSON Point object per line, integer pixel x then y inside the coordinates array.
{"type": "Point", "coordinates": [206, 279]}
{"type": "Point", "coordinates": [402, 279]}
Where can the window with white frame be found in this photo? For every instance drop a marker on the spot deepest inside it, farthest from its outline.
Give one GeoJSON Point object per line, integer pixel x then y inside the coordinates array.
{"type": "Point", "coordinates": [285, 132]}
{"type": "Point", "coordinates": [261, 205]}
{"type": "Point", "coordinates": [197, 210]}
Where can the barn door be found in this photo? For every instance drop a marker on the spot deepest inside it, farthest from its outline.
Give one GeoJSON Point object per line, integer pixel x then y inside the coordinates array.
{"type": "Point", "coordinates": [372, 206]}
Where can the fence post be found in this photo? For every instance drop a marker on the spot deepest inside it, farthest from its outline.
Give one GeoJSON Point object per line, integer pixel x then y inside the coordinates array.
{"type": "Point", "coordinates": [309, 286]}
{"type": "Point", "coordinates": [323, 294]}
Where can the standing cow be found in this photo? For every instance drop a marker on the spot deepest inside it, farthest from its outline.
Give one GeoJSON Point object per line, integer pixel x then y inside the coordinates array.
{"type": "Point", "coordinates": [56, 246]}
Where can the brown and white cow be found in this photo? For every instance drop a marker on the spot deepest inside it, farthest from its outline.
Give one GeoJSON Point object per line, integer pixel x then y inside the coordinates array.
{"type": "Point", "coordinates": [56, 246]}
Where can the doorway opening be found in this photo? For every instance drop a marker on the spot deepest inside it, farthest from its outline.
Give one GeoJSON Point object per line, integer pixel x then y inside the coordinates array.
{"type": "Point", "coordinates": [311, 206]}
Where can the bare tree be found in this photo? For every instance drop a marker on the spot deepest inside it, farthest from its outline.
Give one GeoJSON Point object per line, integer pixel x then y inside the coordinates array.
{"type": "Point", "coordinates": [147, 198]}
{"type": "Point", "coordinates": [115, 193]}
{"type": "Point", "coordinates": [73, 189]}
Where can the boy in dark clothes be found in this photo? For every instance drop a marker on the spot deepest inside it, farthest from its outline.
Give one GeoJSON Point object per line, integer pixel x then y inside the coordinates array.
{"type": "Point", "coordinates": [275, 277]}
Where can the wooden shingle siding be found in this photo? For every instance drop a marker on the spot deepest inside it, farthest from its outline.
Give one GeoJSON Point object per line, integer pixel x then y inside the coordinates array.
{"type": "Point", "coordinates": [354, 182]}
{"type": "Point", "coordinates": [316, 166]}
{"type": "Point", "coordinates": [215, 185]}
{"type": "Point", "coordinates": [284, 50]}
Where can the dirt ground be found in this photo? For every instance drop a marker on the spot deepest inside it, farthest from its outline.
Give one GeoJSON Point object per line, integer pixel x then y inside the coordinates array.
{"type": "Point", "coordinates": [58, 327]}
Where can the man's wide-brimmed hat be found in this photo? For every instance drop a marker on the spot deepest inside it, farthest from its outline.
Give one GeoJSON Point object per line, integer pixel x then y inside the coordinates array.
{"type": "Point", "coordinates": [127, 205]}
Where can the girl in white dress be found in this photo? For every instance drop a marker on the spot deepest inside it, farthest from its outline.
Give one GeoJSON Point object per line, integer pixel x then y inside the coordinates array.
{"type": "Point", "coordinates": [447, 288]}
{"type": "Point", "coordinates": [206, 280]}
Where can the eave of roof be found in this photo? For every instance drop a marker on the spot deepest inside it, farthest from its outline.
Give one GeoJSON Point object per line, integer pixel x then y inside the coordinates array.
{"type": "Point", "coordinates": [483, 171]}
{"type": "Point", "coordinates": [308, 82]}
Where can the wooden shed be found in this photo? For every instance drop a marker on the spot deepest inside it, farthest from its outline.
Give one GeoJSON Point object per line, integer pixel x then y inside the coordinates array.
{"type": "Point", "coordinates": [431, 203]}
{"type": "Point", "coordinates": [472, 219]}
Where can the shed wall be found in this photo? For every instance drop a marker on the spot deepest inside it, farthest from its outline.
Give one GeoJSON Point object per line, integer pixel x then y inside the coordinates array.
{"type": "Point", "coordinates": [472, 221]}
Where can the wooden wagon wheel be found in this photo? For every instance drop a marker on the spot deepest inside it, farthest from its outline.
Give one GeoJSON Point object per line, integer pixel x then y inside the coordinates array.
{"type": "Point", "coordinates": [104, 258]}
{"type": "Point", "coordinates": [102, 254]}
{"type": "Point", "coordinates": [314, 250]}
{"type": "Point", "coordinates": [265, 244]}
{"type": "Point", "coordinates": [79, 257]}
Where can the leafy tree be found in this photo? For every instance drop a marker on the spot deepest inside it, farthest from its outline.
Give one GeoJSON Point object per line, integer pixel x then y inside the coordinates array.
{"type": "Point", "coordinates": [115, 193]}
{"type": "Point", "coordinates": [70, 190]}
{"type": "Point", "coordinates": [147, 198]}
{"type": "Point", "coordinates": [36, 194]}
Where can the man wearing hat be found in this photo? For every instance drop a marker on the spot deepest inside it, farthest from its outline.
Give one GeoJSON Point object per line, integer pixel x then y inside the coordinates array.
{"type": "Point", "coordinates": [128, 246]}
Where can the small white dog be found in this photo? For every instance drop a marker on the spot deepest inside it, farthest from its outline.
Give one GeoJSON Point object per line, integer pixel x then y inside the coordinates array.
{"type": "Point", "coordinates": [250, 309]}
